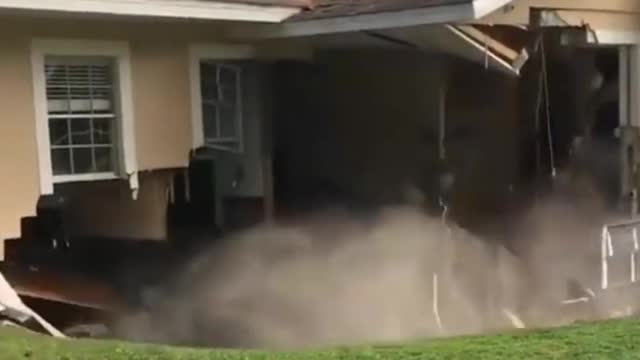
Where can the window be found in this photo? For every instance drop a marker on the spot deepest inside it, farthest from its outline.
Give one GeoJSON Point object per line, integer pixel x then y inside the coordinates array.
{"type": "Point", "coordinates": [84, 111]}
{"type": "Point", "coordinates": [218, 75]}
{"type": "Point", "coordinates": [81, 115]}
{"type": "Point", "coordinates": [221, 97]}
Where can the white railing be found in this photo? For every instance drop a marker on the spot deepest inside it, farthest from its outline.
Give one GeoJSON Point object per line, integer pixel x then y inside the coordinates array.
{"type": "Point", "coordinates": [608, 251]}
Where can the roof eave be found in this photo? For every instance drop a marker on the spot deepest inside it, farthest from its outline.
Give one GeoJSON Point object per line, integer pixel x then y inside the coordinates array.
{"type": "Point", "coordinates": [443, 14]}
{"type": "Point", "coordinates": [425, 16]}
{"type": "Point", "coordinates": [482, 8]}
{"type": "Point", "coordinates": [193, 9]}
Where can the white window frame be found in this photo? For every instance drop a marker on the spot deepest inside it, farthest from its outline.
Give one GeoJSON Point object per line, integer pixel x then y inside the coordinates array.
{"type": "Point", "coordinates": [212, 52]}
{"type": "Point", "coordinates": [633, 84]}
{"type": "Point", "coordinates": [127, 166]}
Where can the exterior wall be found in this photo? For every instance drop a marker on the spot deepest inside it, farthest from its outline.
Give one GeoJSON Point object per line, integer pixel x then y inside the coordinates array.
{"type": "Point", "coordinates": [159, 54]}
{"type": "Point", "coordinates": [161, 103]}
{"type": "Point", "coordinates": [162, 108]}
{"type": "Point", "coordinates": [19, 185]}
{"type": "Point", "coordinates": [160, 72]}
{"type": "Point", "coordinates": [602, 20]}
{"type": "Point", "coordinates": [614, 14]}
{"type": "Point", "coordinates": [107, 209]}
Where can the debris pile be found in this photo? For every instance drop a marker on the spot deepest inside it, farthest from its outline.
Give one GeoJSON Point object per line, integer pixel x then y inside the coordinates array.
{"type": "Point", "coordinates": [14, 312]}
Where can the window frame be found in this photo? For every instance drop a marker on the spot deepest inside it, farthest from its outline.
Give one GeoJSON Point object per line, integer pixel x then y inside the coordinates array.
{"type": "Point", "coordinates": [214, 53]}
{"type": "Point", "coordinates": [113, 117]}
{"type": "Point", "coordinates": [236, 142]}
{"type": "Point", "coordinates": [124, 143]}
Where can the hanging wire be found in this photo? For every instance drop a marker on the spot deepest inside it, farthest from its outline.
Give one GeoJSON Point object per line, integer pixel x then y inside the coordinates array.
{"type": "Point", "coordinates": [442, 122]}
{"type": "Point", "coordinates": [543, 97]}
{"type": "Point", "coordinates": [486, 52]}
{"type": "Point", "coordinates": [545, 76]}
{"type": "Point", "coordinates": [539, 96]}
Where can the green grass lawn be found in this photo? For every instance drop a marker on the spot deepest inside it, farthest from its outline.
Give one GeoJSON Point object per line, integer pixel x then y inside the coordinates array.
{"type": "Point", "coordinates": [609, 340]}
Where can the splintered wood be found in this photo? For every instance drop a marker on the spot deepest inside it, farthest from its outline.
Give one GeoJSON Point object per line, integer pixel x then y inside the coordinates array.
{"type": "Point", "coordinates": [12, 307]}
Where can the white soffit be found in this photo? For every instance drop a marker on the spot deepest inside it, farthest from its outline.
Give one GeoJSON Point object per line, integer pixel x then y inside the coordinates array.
{"type": "Point", "coordinates": [503, 58]}
{"type": "Point", "coordinates": [444, 14]}
{"type": "Point", "coordinates": [463, 42]}
{"type": "Point", "coordinates": [586, 33]}
{"type": "Point", "coordinates": [195, 9]}
{"type": "Point", "coordinates": [612, 37]}
{"type": "Point", "coordinates": [482, 8]}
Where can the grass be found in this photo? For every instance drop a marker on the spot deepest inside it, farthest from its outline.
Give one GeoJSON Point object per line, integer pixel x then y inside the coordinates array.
{"type": "Point", "coordinates": [617, 340]}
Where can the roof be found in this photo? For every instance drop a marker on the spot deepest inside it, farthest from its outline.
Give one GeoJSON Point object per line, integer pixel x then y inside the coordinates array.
{"type": "Point", "coordinates": [265, 11]}
{"type": "Point", "coordinates": [283, 3]}
{"type": "Point", "coordinates": [322, 9]}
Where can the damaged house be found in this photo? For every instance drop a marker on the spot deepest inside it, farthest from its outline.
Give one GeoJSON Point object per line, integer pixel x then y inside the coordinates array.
{"type": "Point", "coordinates": [134, 129]}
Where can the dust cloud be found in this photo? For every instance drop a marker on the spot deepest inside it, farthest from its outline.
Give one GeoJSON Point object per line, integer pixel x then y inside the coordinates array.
{"type": "Point", "coordinates": [337, 279]}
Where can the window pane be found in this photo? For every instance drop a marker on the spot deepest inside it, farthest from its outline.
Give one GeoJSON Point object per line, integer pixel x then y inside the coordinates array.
{"type": "Point", "coordinates": [83, 87]}
{"type": "Point", "coordinates": [208, 80]}
{"type": "Point", "coordinates": [104, 159]}
{"type": "Point", "coordinates": [229, 94]}
{"type": "Point", "coordinates": [102, 131]}
{"type": "Point", "coordinates": [60, 162]}
{"type": "Point", "coordinates": [209, 118]}
{"type": "Point", "coordinates": [81, 131]}
{"type": "Point", "coordinates": [58, 132]}
{"type": "Point", "coordinates": [79, 88]}
{"type": "Point", "coordinates": [228, 122]}
{"type": "Point", "coordinates": [221, 109]}
{"type": "Point", "coordinates": [228, 76]}
{"type": "Point", "coordinates": [82, 160]}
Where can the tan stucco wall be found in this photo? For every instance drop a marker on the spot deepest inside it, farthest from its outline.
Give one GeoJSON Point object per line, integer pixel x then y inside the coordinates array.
{"type": "Point", "coordinates": [602, 20]}
{"type": "Point", "coordinates": [161, 88]}
{"type": "Point", "coordinates": [19, 186]}
{"type": "Point", "coordinates": [610, 14]}
{"type": "Point", "coordinates": [159, 54]}
{"type": "Point", "coordinates": [160, 76]}
{"type": "Point", "coordinates": [160, 72]}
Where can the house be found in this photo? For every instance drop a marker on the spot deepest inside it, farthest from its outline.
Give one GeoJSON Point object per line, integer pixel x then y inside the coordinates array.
{"type": "Point", "coordinates": [139, 115]}
{"type": "Point", "coordinates": [76, 69]}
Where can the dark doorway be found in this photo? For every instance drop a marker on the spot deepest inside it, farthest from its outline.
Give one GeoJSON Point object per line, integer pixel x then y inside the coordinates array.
{"type": "Point", "coordinates": [192, 215]}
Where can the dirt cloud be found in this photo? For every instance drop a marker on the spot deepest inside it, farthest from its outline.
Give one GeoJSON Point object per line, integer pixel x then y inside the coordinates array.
{"type": "Point", "coordinates": [334, 279]}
